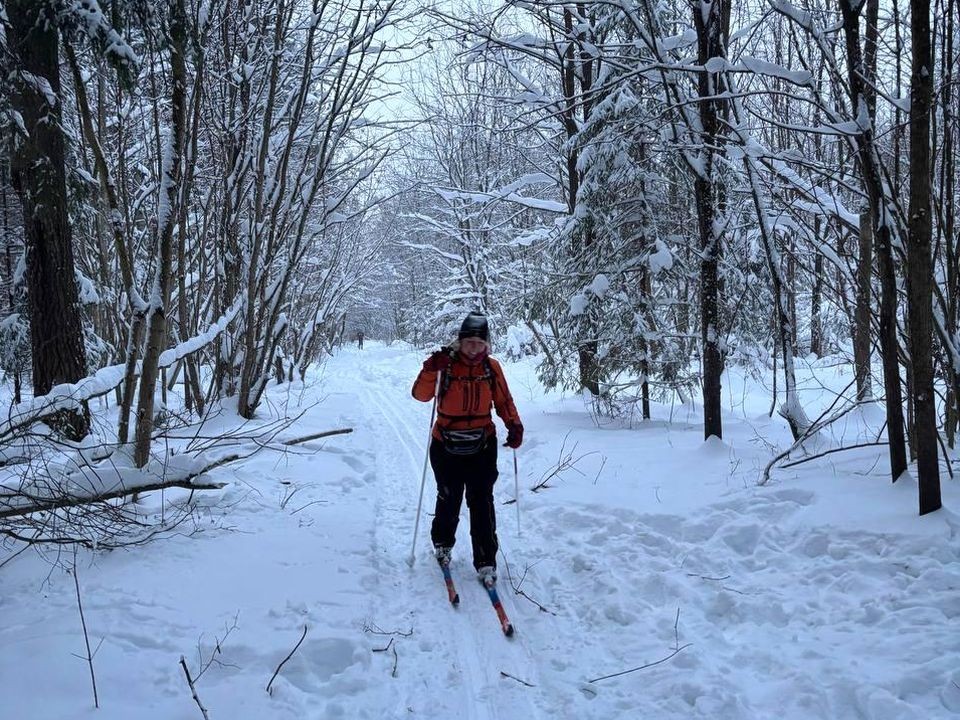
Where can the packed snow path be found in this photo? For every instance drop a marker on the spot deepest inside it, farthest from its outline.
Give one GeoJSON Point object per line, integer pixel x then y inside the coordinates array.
{"type": "Point", "coordinates": [820, 595]}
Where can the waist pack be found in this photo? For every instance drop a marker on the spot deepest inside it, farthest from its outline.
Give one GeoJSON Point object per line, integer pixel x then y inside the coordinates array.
{"type": "Point", "coordinates": [463, 442]}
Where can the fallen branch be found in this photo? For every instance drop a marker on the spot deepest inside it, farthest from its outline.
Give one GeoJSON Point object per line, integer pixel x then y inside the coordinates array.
{"type": "Point", "coordinates": [284, 661]}
{"type": "Point", "coordinates": [642, 667]}
{"type": "Point", "coordinates": [193, 689]}
{"type": "Point", "coordinates": [815, 427]}
{"type": "Point", "coordinates": [816, 456]}
{"type": "Point", "coordinates": [69, 396]}
{"type": "Point", "coordinates": [67, 501]}
{"type": "Point", "coordinates": [316, 436]}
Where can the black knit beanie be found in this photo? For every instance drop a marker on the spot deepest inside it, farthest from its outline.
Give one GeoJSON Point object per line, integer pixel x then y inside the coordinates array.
{"type": "Point", "coordinates": [474, 325]}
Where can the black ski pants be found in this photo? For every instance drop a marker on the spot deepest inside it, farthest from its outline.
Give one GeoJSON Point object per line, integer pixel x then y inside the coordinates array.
{"type": "Point", "coordinates": [475, 476]}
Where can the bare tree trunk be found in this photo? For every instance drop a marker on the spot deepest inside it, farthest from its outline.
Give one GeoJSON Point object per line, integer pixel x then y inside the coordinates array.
{"type": "Point", "coordinates": [919, 260]}
{"type": "Point", "coordinates": [170, 179]}
{"type": "Point", "coordinates": [882, 228]}
{"type": "Point", "coordinates": [712, 24]}
{"type": "Point", "coordinates": [947, 227]}
{"type": "Point", "coordinates": [8, 267]}
{"type": "Point", "coordinates": [863, 312]}
{"type": "Point", "coordinates": [646, 289]}
{"type": "Point", "coordinates": [134, 344]}
{"type": "Point", "coordinates": [39, 177]}
{"type": "Point", "coordinates": [783, 294]}
{"type": "Point", "coordinates": [816, 299]}
{"type": "Point", "coordinates": [192, 390]}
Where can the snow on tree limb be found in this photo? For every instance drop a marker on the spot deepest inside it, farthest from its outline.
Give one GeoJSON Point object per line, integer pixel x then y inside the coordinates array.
{"type": "Point", "coordinates": [69, 396]}
{"type": "Point", "coordinates": [95, 25]}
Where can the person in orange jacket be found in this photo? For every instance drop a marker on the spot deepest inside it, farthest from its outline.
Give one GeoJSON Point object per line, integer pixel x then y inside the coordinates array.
{"type": "Point", "coordinates": [463, 449]}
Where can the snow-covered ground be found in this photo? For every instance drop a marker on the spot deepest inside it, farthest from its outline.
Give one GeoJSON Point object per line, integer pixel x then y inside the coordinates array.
{"type": "Point", "coordinates": [819, 595]}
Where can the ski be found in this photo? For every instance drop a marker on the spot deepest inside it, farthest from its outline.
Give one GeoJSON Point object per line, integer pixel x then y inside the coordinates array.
{"type": "Point", "coordinates": [505, 623]}
{"type": "Point", "coordinates": [448, 580]}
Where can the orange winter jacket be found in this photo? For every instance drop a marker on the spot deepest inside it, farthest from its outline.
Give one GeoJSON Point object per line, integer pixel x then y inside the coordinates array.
{"type": "Point", "coordinates": [467, 394]}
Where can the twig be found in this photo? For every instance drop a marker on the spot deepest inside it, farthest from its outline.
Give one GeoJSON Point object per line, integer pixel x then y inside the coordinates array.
{"type": "Point", "coordinates": [384, 649]}
{"type": "Point", "coordinates": [375, 629]}
{"type": "Point", "coordinates": [393, 647]}
{"type": "Point", "coordinates": [522, 682]}
{"type": "Point", "coordinates": [676, 631]}
{"type": "Point", "coordinates": [565, 461]}
{"type": "Point", "coordinates": [946, 456]}
{"type": "Point", "coordinates": [283, 662]}
{"type": "Point", "coordinates": [312, 502]}
{"type": "Point", "coordinates": [642, 667]}
{"type": "Point", "coordinates": [193, 689]}
{"type": "Point", "coordinates": [86, 636]}
{"type": "Point", "coordinates": [217, 650]}
{"type": "Point", "coordinates": [516, 587]}
{"type": "Point", "coordinates": [708, 577]}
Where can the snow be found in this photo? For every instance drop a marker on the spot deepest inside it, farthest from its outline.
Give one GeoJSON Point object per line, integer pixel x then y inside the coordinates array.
{"type": "Point", "coordinates": [190, 345]}
{"type": "Point", "coordinates": [600, 285]}
{"type": "Point", "coordinates": [87, 290]}
{"type": "Point", "coordinates": [762, 67]}
{"type": "Point", "coordinates": [578, 304]}
{"type": "Point", "coordinates": [716, 65]}
{"type": "Point", "coordinates": [41, 86]}
{"type": "Point", "coordinates": [505, 193]}
{"type": "Point", "coordinates": [669, 44]}
{"type": "Point", "coordinates": [95, 24]}
{"type": "Point", "coordinates": [819, 595]}
{"type": "Point", "coordinates": [661, 258]}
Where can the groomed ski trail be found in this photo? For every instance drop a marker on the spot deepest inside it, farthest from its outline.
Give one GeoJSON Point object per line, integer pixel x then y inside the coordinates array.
{"type": "Point", "coordinates": [465, 645]}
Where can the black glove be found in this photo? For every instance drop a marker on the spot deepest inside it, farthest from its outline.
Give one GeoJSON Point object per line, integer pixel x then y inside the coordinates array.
{"type": "Point", "coordinates": [514, 435]}
{"type": "Point", "coordinates": [438, 361]}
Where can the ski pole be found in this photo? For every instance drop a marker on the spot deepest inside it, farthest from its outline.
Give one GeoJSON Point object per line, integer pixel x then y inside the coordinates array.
{"type": "Point", "coordinates": [516, 488]}
{"type": "Point", "coordinates": [423, 477]}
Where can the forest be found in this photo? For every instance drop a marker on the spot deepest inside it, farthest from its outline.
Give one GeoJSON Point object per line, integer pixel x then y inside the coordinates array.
{"type": "Point", "coordinates": [199, 200]}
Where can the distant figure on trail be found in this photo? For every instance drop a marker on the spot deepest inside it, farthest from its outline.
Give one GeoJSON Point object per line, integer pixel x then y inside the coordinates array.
{"type": "Point", "coordinates": [463, 451]}
{"type": "Point", "coordinates": [360, 339]}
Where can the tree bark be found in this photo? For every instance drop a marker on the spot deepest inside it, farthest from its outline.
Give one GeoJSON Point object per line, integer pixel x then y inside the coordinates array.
{"type": "Point", "coordinates": [869, 164]}
{"type": "Point", "coordinates": [863, 311]}
{"type": "Point", "coordinates": [919, 259]}
{"type": "Point", "coordinates": [712, 25]}
{"type": "Point", "coordinates": [39, 177]}
{"type": "Point", "coordinates": [816, 299]}
{"type": "Point", "coordinates": [170, 179]}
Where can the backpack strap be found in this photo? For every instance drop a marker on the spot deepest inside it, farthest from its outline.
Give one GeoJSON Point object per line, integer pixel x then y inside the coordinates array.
{"type": "Point", "coordinates": [488, 375]}
{"type": "Point", "coordinates": [491, 378]}
{"type": "Point", "coordinates": [444, 380]}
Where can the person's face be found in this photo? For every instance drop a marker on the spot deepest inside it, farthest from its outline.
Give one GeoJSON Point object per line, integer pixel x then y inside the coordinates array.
{"type": "Point", "coordinates": [472, 347]}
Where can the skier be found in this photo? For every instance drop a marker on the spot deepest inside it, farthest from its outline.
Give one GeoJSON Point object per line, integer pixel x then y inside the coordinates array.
{"type": "Point", "coordinates": [360, 339]}
{"type": "Point", "coordinates": [463, 451]}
